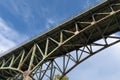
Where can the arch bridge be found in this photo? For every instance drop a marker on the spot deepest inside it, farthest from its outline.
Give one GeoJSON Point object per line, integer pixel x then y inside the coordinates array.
{"type": "Point", "coordinates": [61, 49]}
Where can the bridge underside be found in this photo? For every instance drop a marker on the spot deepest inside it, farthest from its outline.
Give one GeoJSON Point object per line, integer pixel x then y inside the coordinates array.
{"type": "Point", "coordinates": [63, 48]}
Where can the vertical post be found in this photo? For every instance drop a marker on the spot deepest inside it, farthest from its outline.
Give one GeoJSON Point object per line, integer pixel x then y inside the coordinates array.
{"type": "Point", "coordinates": [26, 76]}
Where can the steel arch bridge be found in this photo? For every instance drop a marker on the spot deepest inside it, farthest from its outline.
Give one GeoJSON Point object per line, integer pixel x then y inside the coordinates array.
{"type": "Point", "coordinates": [63, 48]}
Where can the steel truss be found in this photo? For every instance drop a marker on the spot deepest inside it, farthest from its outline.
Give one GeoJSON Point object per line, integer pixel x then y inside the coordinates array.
{"type": "Point", "coordinates": [61, 53]}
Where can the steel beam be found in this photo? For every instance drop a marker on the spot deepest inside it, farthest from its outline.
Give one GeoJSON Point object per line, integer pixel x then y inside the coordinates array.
{"type": "Point", "coordinates": [63, 48]}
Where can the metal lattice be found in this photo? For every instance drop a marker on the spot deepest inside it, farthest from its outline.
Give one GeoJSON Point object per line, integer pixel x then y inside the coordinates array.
{"type": "Point", "coordinates": [65, 47]}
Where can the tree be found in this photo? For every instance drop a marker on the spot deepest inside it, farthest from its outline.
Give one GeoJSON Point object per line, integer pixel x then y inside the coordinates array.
{"type": "Point", "coordinates": [57, 77]}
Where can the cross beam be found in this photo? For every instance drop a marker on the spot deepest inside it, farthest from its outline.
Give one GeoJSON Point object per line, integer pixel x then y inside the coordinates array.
{"type": "Point", "coordinates": [63, 48]}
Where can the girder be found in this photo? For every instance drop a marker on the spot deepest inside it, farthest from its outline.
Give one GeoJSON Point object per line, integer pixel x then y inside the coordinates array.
{"type": "Point", "coordinates": [63, 48]}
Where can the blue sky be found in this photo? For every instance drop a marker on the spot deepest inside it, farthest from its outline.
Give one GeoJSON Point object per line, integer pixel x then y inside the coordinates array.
{"type": "Point", "coordinates": [21, 20]}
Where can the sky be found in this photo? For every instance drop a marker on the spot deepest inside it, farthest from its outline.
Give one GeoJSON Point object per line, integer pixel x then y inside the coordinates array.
{"type": "Point", "coordinates": [20, 20]}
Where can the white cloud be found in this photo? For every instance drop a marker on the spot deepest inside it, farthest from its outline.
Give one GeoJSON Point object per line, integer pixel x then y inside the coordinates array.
{"type": "Point", "coordinates": [21, 9]}
{"type": "Point", "coordinates": [5, 43]}
{"type": "Point", "coordinates": [24, 10]}
{"type": "Point", "coordinates": [9, 38]}
{"type": "Point", "coordinates": [89, 4]}
{"type": "Point", "coordinates": [50, 23]}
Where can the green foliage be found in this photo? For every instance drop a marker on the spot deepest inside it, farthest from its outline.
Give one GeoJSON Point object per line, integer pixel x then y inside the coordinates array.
{"type": "Point", "coordinates": [57, 77]}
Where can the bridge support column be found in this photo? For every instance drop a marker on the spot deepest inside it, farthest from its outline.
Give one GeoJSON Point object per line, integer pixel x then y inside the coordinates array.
{"type": "Point", "coordinates": [26, 76]}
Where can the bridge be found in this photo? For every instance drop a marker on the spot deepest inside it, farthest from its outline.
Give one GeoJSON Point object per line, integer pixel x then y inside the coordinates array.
{"type": "Point", "coordinates": [61, 49]}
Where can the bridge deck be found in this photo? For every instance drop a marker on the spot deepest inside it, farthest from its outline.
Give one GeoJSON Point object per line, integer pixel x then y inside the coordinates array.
{"type": "Point", "coordinates": [70, 25]}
